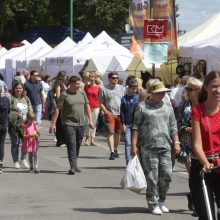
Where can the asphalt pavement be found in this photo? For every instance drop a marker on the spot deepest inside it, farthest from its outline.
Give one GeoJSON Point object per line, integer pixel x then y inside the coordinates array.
{"type": "Point", "coordinates": [93, 194]}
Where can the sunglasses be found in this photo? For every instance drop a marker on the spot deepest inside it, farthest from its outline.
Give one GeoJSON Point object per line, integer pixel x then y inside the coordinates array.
{"type": "Point", "coordinates": [189, 89]}
{"type": "Point", "coordinates": [114, 77]}
{"type": "Point", "coordinates": [35, 75]}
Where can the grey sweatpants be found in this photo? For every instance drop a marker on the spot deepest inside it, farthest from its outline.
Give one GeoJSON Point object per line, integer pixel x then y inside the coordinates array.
{"type": "Point", "coordinates": [157, 166]}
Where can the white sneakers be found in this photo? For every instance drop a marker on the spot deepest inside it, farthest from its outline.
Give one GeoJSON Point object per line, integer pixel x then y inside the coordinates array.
{"type": "Point", "coordinates": [24, 164]}
{"type": "Point", "coordinates": [159, 210]}
{"type": "Point", "coordinates": [156, 211]}
{"type": "Point", "coordinates": [16, 165]}
{"type": "Point", "coordinates": [163, 208]}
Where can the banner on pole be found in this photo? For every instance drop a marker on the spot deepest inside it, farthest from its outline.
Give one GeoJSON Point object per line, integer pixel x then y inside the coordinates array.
{"type": "Point", "coordinates": [156, 52]}
{"type": "Point", "coordinates": [155, 28]}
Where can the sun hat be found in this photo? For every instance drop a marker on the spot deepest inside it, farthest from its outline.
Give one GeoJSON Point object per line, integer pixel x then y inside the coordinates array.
{"type": "Point", "coordinates": [159, 88]}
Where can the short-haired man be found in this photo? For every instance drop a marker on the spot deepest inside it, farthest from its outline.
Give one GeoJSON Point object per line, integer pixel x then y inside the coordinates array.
{"type": "Point", "coordinates": [35, 93]}
{"type": "Point", "coordinates": [110, 101]}
{"type": "Point", "coordinates": [75, 107]}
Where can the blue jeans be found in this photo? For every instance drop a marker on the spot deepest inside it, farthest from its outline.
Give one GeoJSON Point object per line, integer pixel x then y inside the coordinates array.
{"type": "Point", "coordinates": [15, 143]}
{"type": "Point", "coordinates": [37, 109]}
{"type": "Point", "coordinates": [128, 142]}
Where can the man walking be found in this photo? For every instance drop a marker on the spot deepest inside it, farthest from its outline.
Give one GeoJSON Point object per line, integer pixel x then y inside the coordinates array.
{"type": "Point", "coordinates": [75, 106]}
{"type": "Point", "coordinates": [110, 101]}
{"type": "Point", "coordinates": [35, 93]}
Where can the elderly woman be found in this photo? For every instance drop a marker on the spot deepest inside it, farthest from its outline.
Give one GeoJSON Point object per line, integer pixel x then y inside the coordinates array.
{"type": "Point", "coordinates": [192, 89]}
{"type": "Point", "coordinates": [20, 106]}
{"type": "Point", "coordinates": [154, 137]}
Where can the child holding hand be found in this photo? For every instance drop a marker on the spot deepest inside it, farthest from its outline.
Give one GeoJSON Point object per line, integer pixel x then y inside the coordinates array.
{"type": "Point", "coordinates": [30, 141]}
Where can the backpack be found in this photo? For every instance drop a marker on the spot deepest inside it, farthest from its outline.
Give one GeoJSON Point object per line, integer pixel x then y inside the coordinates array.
{"type": "Point", "coordinates": [50, 105]}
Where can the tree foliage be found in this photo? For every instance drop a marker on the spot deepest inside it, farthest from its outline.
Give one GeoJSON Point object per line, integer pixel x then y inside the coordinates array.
{"type": "Point", "coordinates": [94, 16]}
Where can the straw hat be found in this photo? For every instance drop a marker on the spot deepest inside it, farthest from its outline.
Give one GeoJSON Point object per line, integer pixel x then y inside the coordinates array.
{"type": "Point", "coordinates": [159, 88]}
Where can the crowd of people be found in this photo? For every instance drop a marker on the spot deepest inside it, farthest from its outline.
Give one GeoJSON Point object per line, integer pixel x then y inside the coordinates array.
{"type": "Point", "coordinates": [159, 124]}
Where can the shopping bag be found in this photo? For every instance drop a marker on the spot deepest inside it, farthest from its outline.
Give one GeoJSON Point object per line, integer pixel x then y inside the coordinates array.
{"type": "Point", "coordinates": [134, 178]}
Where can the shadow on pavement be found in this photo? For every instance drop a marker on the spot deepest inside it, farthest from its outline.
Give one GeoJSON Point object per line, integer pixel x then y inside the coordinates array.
{"type": "Point", "coordinates": [127, 210]}
{"type": "Point", "coordinates": [105, 168]}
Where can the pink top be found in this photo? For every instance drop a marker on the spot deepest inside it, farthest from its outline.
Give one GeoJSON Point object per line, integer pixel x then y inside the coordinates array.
{"type": "Point", "coordinates": [198, 114]}
{"type": "Point", "coordinates": [92, 93]}
{"type": "Point", "coordinates": [30, 144]}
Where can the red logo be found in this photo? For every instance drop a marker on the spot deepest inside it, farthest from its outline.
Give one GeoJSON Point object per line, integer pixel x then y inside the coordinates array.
{"type": "Point", "coordinates": [155, 28]}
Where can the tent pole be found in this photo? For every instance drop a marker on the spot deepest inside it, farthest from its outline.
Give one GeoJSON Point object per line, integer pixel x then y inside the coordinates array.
{"type": "Point", "coordinates": [71, 19]}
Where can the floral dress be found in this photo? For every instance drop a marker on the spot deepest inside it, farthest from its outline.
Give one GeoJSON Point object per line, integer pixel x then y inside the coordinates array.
{"type": "Point", "coordinates": [185, 136]}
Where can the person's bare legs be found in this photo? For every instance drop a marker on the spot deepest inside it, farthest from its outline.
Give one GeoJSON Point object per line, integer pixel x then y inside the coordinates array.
{"type": "Point", "coordinates": [110, 140]}
{"type": "Point", "coordinates": [117, 138]}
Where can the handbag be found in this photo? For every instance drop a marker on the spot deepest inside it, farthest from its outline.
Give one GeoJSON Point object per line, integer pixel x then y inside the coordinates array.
{"type": "Point", "coordinates": [134, 178]}
{"type": "Point", "coordinates": [215, 161]}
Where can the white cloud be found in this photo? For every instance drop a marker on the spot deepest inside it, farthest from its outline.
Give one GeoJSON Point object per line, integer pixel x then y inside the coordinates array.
{"type": "Point", "coordinates": [195, 12]}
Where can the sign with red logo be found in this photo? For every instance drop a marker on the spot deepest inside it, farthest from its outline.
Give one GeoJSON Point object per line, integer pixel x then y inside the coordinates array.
{"type": "Point", "coordinates": [155, 28]}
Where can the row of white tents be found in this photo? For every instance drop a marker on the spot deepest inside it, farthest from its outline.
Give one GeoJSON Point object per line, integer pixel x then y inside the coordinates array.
{"type": "Point", "coordinates": [203, 43]}
{"type": "Point", "coordinates": [106, 54]}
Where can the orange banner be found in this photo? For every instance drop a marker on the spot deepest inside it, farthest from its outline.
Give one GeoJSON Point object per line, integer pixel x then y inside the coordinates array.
{"type": "Point", "coordinates": [141, 10]}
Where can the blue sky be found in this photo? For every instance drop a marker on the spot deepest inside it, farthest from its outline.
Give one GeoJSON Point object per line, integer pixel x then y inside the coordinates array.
{"type": "Point", "coordinates": [195, 12]}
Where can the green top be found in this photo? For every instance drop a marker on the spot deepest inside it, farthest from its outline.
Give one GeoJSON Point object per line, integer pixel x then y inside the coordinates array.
{"type": "Point", "coordinates": [73, 106]}
{"type": "Point", "coordinates": [156, 125]}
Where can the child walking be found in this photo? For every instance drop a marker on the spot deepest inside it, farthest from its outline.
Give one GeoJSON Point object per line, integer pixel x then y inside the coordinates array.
{"type": "Point", "coordinates": [30, 142]}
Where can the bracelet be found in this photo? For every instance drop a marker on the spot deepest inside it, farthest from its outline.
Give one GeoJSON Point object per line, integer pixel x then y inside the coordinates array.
{"type": "Point", "coordinates": [176, 142]}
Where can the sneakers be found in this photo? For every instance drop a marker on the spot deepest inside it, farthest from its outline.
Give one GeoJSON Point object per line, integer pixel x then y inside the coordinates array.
{"type": "Point", "coordinates": [156, 211]}
{"type": "Point", "coordinates": [16, 165]}
{"type": "Point", "coordinates": [71, 172]}
{"type": "Point", "coordinates": [112, 156]}
{"type": "Point", "coordinates": [77, 170]}
{"type": "Point", "coordinates": [116, 154]}
{"type": "Point", "coordinates": [37, 171]}
{"type": "Point", "coordinates": [163, 208]}
{"type": "Point", "coordinates": [24, 164]}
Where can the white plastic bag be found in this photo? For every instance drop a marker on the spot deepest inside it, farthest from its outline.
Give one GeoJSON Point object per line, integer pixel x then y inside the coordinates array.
{"type": "Point", "coordinates": [134, 178]}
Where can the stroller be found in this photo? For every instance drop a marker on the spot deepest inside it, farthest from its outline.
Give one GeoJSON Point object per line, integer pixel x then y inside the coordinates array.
{"type": "Point", "coordinates": [205, 192]}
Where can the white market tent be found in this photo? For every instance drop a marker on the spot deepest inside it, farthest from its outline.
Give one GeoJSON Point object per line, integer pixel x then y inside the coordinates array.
{"type": "Point", "coordinates": [11, 53]}
{"type": "Point", "coordinates": [202, 32]}
{"type": "Point", "coordinates": [102, 45]}
{"type": "Point", "coordinates": [79, 46]}
{"type": "Point", "coordinates": [118, 64]}
{"type": "Point", "coordinates": [20, 61]}
{"type": "Point", "coordinates": [3, 50]}
{"type": "Point", "coordinates": [38, 61]}
{"type": "Point", "coordinates": [203, 43]}
{"type": "Point", "coordinates": [65, 60]}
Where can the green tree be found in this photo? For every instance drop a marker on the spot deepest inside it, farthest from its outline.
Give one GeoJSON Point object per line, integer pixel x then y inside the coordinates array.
{"type": "Point", "coordinates": [91, 16]}
{"type": "Point", "coordinates": [97, 15]}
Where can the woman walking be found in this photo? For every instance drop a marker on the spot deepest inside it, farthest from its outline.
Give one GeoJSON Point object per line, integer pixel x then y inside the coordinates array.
{"type": "Point", "coordinates": [20, 106]}
{"type": "Point", "coordinates": [92, 91]}
{"type": "Point", "coordinates": [192, 88]}
{"type": "Point", "coordinates": [58, 88]}
{"type": "Point", "coordinates": [206, 145]}
{"type": "Point", "coordinates": [154, 137]}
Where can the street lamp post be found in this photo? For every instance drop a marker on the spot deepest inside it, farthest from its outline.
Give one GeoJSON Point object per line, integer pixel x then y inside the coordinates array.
{"type": "Point", "coordinates": [71, 19]}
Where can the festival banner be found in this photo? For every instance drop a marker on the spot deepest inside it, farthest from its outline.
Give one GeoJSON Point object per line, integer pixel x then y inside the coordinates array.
{"type": "Point", "coordinates": [155, 28]}
{"type": "Point", "coordinates": [139, 11]}
{"type": "Point", "coordinates": [156, 52]}
{"type": "Point", "coordinates": [165, 9]}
